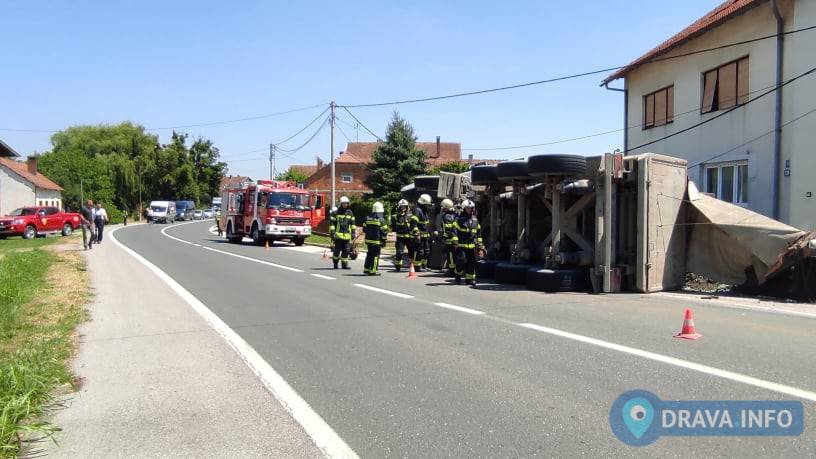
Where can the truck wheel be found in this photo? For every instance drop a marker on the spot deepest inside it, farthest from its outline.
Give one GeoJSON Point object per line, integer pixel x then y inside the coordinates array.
{"type": "Point", "coordinates": [255, 234]}
{"type": "Point", "coordinates": [298, 241]}
{"type": "Point", "coordinates": [486, 269]}
{"type": "Point", "coordinates": [67, 229]}
{"type": "Point", "coordinates": [30, 232]}
{"type": "Point", "coordinates": [558, 280]}
{"type": "Point", "coordinates": [231, 236]}
{"type": "Point", "coordinates": [543, 165]}
{"type": "Point", "coordinates": [510, 273]}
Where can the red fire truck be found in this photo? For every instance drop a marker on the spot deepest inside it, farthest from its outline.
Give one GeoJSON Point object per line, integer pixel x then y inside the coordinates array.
{"type": "Point", "coordinates": [270, 210]}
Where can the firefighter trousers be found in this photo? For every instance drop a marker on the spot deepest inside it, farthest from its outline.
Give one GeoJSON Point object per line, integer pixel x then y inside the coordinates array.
{"type": "Point", "coordinates": [450, 250]}
{"type": "Point", "coordinates": [372, 260]}
{"type": "Point", "coordinates": [402, 245]}
{"type": "Point", "coordinates": [466, 263]}
{"type": "Point", "coordinates": [340, 252]}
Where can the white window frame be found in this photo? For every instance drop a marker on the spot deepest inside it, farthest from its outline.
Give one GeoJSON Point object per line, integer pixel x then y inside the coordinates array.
{"type": "Point", "coordinates": [346, 175]}
{"type": "Point", "coordinates": [737, 165]}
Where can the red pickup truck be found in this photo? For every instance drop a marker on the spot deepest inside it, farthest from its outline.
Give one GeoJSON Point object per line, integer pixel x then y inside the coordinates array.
{"type": "Point", "coordinates": [29, 222]}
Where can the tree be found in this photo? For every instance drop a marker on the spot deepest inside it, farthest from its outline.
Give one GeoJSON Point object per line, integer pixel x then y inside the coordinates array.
{"type": "Point", "coordinates": [293, 175]}
{"type": "Point", "coordinates": [456, 166]}
{"type": "Point", "coordinates": [396, 161]}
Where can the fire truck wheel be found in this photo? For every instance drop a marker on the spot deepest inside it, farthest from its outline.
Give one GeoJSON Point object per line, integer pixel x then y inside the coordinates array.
{"type": "Point", "coordinates": [231, 236]}
{"type": "Point", "coordinates": [30, 232]}
{"type": "Point", "coordinates": [298, 241]}
{"type": "Point", "coordinates": [558, 280]}
{"type": "Point", "coordinates": [67, 229]}
{"type": "Point", "coordinates": [255, 235]}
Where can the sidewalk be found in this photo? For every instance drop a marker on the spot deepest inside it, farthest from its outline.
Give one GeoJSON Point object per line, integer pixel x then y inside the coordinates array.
{"type": "Point", "coordinates": [156, 381]}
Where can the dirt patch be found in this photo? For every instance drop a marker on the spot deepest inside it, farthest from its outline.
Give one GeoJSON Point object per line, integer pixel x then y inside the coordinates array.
{"type": "Point", "coordinates": [697, 283]}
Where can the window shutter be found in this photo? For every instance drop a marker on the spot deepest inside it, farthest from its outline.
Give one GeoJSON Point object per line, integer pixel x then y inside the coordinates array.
{"type": "Point", "coordinates": [742, 81]}
{"type": "Point", "coordinates": [727, 91]}
{"type": "Point", "coordinates": [670, 104]}
{"type": "Point", "coordinates": [649, 111]}
{"type": "Point", "coordinates": [660, 108]}
{"type": "Point", "coordinates": [708, 90]}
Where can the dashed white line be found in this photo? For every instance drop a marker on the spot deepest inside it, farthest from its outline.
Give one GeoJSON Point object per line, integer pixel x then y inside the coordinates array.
{"type": "Point", "coordinates": [321, 276]}
{"type": "Point", "coordinates": [725, 374]}
{"type": "Point", "coordinates": [255, 260]}
{"type": "Point", "coordinates": [460, 308]}
{"type": "Point", "coordinates": [382, 290]}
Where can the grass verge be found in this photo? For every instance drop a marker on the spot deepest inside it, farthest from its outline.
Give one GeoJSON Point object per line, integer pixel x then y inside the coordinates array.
{"type": "Point", "coordinates": [43, 292]}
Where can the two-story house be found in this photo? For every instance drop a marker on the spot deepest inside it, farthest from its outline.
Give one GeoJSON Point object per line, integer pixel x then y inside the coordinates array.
{"type": "Point", "coordinates": [719, 94]}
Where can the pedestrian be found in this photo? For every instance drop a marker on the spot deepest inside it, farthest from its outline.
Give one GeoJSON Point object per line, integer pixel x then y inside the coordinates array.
{"type": "Point", "coordinates": [402, 226]}
{"type": "Point", "coordinates": [100, 220]}
{"type": "Point", "coordinates": [218, 226]}
{"type": "Point", "coordinates": [376, 233]}
{"type": "Point", "coordinates": [419, 232]}
{"type": "Point", "coordinates": [86, 214]}
{"type": "Point", "coordinates": [447, 223]}
{"type": "Point", "coordinates": [342, 229]}
{"type": "Point", "coordinates": [124, 218]}
{"type": "Point", "coordinates": [468, 241]}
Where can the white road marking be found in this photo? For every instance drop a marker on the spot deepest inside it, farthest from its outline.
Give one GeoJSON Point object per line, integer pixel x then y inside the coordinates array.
{"type": "Point", "coordinates": [382, 290]}
{"type": "Point", "coordinates": [321, 276]}
{"type": "Point", "coordinates": [725, 374]}
{"type": "Point", "coordinates": [255, 260]}
{"type": "Point", "coordinates": [320, 432]}
{"type": "Point", "coordinates": [459, 308]}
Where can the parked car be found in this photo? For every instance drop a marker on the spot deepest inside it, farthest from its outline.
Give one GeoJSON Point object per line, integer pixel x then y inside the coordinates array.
{"type": "Point", "coordinates": [162, 211]}
{"type": "Point", "coordinates": [29, 222]}
{"type": "Point", "coordinates": [198, 214]}
{"type": "Point", "coordinates": [208, 213]}
{"type": "Point", "coordinates": [185, 210]}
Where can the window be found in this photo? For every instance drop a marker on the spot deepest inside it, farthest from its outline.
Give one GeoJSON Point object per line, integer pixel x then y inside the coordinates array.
{"type": "Point", "coordinates": [346, 178]}
{"type": "Point", "coordinates": [728, 182]}
{"type": "Point", "coordinates": [658, 108]}
{"type": "Point", "coordinates": [51, 211]}
{"type": "Point", "coordinates": [725, 86]}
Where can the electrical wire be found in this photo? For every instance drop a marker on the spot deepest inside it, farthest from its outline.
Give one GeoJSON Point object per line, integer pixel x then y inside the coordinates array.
{"type": "Point", "coordinates": [295, 150]}
{"type": "Point", "coordinates": [361, 124]}
{"type": "Point", "coordinates": [572, 76]}
{"type": "Point", "coordinates": [348, 139]}
{"type": "Point", "coordinates": [237, 120]}
{"type": "Point", "coordinates": [304, 128]}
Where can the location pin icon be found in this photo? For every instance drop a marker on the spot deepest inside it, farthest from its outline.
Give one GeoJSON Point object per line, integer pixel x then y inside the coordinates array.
{"type": "Point", "coordinates": [638, 414]}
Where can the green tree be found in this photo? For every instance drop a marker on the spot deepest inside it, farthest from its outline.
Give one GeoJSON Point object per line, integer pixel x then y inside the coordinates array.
{"type": "Point", "coordinates": [293, 175]}
{"type": "Point", "coordinates": [396, 161]}
{"type": "Point", "coordinates": [456, 166]}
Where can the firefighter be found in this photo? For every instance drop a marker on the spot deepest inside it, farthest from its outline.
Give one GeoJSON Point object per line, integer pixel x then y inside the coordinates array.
{"type": "Point", "coordinates": [447, 222]}
{"type": "Point", "coordinates": [402, 226]}
{"type": "Point", "coordinates": [419, 232]}
{"type": "Point", "coordinates": [376, 232]}
{"type": "Point", "coordinates": [468, 240]}
{"type": "Point", "coordinates": [342, 229]}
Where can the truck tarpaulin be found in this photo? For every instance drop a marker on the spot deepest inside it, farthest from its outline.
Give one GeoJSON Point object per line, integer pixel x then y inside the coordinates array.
{"type": "Point", "coordinates": [726, 240]}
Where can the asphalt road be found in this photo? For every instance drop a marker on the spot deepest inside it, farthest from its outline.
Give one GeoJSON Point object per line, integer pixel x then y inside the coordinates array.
{"type": "Point", "coordinates": [426, 368]}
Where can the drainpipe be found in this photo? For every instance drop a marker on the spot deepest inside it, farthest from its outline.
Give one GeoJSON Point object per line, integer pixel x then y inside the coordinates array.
{"type": "Point", "coordinates": [625, 115]}
{"type": "Point", "coordinates": [777, 149]}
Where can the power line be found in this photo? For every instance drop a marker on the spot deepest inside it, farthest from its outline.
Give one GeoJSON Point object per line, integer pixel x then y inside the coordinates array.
{"type": "Point", "coordinates": [348, 139]}
{"type": "Point", "coordinates": [736, 107]}
{"type": "Point", "coordinates": [294, 150]}
{"type": "Point", "coordinates": [304, 128]}
{"type": "Point", "coordinates": [361, 123]}
{"type": "Point", "coordinates": [237, 120]}
{"type": "Point", "coordinates": [573, 76]}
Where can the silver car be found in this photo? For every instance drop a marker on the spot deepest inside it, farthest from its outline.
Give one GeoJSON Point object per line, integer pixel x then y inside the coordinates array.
{"type": "Point", "coordinates": [209, 213]}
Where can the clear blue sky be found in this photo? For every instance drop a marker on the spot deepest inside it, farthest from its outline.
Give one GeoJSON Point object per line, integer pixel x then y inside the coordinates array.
{"type": "Point", "coordinates": [185, 62]}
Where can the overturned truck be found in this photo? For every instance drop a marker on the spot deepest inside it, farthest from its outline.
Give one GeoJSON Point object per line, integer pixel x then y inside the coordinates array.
{"type": "Point", "coordinates": [624, 223]}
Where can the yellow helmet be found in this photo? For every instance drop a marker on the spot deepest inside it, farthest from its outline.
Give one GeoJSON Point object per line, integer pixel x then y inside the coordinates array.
{"type": "Point", "coordinates": [447, 204]}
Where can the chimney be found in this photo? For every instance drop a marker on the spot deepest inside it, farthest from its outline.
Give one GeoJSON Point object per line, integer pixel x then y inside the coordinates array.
{"type": "Point", "coordinates": [32, 164]}
{"type": "Point", "coordinates": [438, 147]}
{"type": "Point", "coordinates": [319, 163]}
{"type": "Point", "coordinates": [470, 158]}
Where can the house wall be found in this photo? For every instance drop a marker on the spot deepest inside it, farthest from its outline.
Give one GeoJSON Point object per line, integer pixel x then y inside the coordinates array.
{"type": "Point", "coordinates": [321, 180]}
{"type": "Point", "coordinates": [14, 192]}
{"type": "Point", "coordinates": [46, 197]}
{"type": "Point", "coordinates": [701, 145]}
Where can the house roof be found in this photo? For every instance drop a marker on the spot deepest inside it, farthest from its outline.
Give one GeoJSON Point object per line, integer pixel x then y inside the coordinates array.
{"type": "Point", "coordinates": [360, 152]}
{"type": "Point", "coordinates": [37, 179]}
{"type": "Point", "coordinates": [6, 150]}
{"type": "Point", "coordinates": [233, 180]}
{"type": "Point", "coordinates": [714, 18]}
{"type": "Point", "coordinates": [307, 169]}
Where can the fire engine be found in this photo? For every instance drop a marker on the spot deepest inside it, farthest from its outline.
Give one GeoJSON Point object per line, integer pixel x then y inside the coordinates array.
{"type": "Point", "coordinates": [270, 210]}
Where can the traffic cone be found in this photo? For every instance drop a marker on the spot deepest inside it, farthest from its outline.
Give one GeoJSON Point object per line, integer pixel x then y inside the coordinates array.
{"type": "Point", "coordinates": [411, 272]}
{"type": "Point", "coordinates": [688, 331]}
{"type": "Point", "coordinates": [266, 247]}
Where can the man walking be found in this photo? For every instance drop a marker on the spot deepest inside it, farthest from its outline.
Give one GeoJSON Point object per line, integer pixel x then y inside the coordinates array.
{"type": "Point", "coordinates": [402, 226]}
{"type": "Point", "coordinates": [376, 232]}
{"type": "Point", "coordinates": [100, 219]}
{"type": "Point", "coordinates": [342, 229]}
{"type": "Point", "coordinates": [86, 212]}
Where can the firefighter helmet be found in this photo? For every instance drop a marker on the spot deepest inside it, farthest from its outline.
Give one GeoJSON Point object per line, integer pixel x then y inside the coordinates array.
{"type": "Point", "coordinates": [402, 203]}
{"type": "Point", "coordinates": [447, 204]}
{"type": "Point", "coordinates": [344, 200]}
{"type": "Point", "coordinates": [468, 204]}
{"type": "Point", "coordinates": [424, 200]}
{"type": "Point", "coordinates": [378, 208]}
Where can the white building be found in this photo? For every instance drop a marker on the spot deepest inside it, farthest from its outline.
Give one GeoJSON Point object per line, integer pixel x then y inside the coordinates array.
{"type": "Point", "coordinates": [731, 88]}
{"type": "Point", "coordinates": [22, 185]}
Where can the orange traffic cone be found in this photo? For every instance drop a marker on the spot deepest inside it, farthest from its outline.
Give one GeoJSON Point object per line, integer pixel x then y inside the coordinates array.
{"type": "Point", "coordinates": [411, 272]}
{"type": "Point", "coordinates": [266, 247]}
{"type": "Point", "coordinates": [688, 331]}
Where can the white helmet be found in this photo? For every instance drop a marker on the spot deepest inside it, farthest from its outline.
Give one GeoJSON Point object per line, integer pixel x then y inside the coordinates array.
{"type": "Point", "coordinates": [344, 200]}
{"type": "Point", "coordinates": [424, 200]}
{"type": "Point", "coordinates": [447, 204]}
{"type": "Point", "coordinates": [378, 208]}
{"type": "Point", "coordinates": [468, 204]}
{"type": "Point", "coordinates": [402, 203]}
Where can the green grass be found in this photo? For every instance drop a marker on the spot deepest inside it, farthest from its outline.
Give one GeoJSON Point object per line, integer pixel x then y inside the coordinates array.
{"type": "Point", "coordinates": [42, 297]}
{"type": "Point", "coordinates": [318, 239]}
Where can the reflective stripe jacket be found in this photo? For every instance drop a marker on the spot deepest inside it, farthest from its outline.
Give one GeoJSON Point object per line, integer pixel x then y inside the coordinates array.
{"type": "Point", "coordinates": [448, 226]}
{"type": "Point", "coordinates": [468, 231]}
{"type": "Point", "coordinates": [341, 225]}
{"type": "Point", "coordinates": [419, 223]}
{"type": "Point", "coordinates": [402, 224]}
{"type": "Point", "coordinates": [375, 229]}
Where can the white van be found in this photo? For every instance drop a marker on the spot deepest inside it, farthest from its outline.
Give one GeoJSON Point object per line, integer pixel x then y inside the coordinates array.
{"type": "Point", "coordinates": [162, 211]}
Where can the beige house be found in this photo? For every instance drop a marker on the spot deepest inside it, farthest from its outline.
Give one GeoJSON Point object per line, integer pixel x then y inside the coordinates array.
{"type": "Point", "coordinates": [22, 185]}
{"type": "Point", "coordinates": [753, 149]}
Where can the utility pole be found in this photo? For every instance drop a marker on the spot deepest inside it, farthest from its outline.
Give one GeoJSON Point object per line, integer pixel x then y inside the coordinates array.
{"type": "Point", "coordinates": [273, 172]}
{"type": "Point", "coordinates": [333, 178]}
